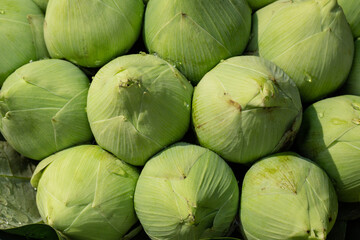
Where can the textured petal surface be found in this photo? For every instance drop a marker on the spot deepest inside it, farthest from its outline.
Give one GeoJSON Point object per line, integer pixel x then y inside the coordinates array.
{"type": "Point", "coordinates": [314, 46]}
{"type": "Point", "coordinates": [246, 108]}
{"type": "Point", "coordinates": [196, 35]}
{"type": "Point", "coordinates": [329, 135]}
{"type": "Point", "coordinates": [87, 193]}
{"type": "Point", "coordinates": [137, 105]}
{"type": "Point", "coordinates": [285, 196]}
{"type": "Point", "coordinates": [186, 192]}
{"type": "Point", "coordinates": [21, 35]}
{"type": "Point", "coordinates": [42, 106]}
{"type": "Point", "coordinates": [92, 32]}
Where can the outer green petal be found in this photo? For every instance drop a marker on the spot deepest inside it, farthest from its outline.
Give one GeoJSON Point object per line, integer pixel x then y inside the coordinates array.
{"type": "Point", "coordinates": [196, 35]}
{"type": "Point", "coordinates": [256, 4]}
{"type": "Point", "coordinates": [43, 108]}
{"type": "Point", "coordinates": [21, 35]}
{"type": "Point", "coordinates": [352, 12]}
{"type": "Point", "coordinates": [329, 135]}
{"type": "Point", "coordinates": [314, 46]}
{"type": "Point", "coordinates": [42, 4]}
{"type": "Point", "coordinates": [285, 196]}
{"type": "Point", "coordinates": [186, 192]}
{"type": "Point", "coordinates": [246, 108]}
{"type": "Point", "coordinates": [137, 105]}
{"type": "Point", "coordinates": [86, 193]}
{"type": "Point", "coordinates": [92, 32]}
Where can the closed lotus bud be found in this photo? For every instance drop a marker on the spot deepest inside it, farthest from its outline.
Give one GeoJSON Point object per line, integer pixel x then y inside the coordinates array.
{"type": "Point", "coordinates": [315, 48]}
{"type": "Point", "coordinates": [42, 108]}
{"type": "Point", "coordinates": [91, 32]}
{"type": "Point", "coordinates": [246, 108]}
{"type": "Point", "coordinates": [196, 35]}
{"type": "Point", "coordinates": [285, 196]}
{"type": "Point", "coordinates": [22, 36]}
{"type": "Point", "coordinates": [352, 12]}
{"type": "Point", "coordinates": [352, 84]}
{"type": "Point", "coordinates": [330, 136]}
{"type": "Point", "coordinates": [186, 192]}
{"type": "Point", "coordinates": [137, 105]}
{"type": "Point", "coordinates": [86, 193]}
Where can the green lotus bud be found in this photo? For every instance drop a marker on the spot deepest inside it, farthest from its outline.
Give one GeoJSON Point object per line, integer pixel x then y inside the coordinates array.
{"type": "Point", "coordinates": [186, 192]}
{"type": "Point", "coordinates": [285, 196]}
{"type": "Point", "coordinates": [146, 108]}
{"type": "Point", "coordinates": [330, 136]}
{"type": "Point", "coordinates": [196, 35]}
{"type": "Point", "coordinates": [352, 84]}
{"type": "Point", "coordinates": [42, 4]}
{"type": "Point", "coordinates": [315, 48]}
{"type": "Point", "coordinates": [246, 108]}
{"type": "Point", "coordinates": [22, 36]}
{"type": "Point", "coordinates": [42, 108]}
{"type": "Point", "coordinates": [90, 32]}
{"type": "Point", "coordinates": [86, 193]}
{"type": "Point", "coordinates": [352, 12]}
{"type": "Point", "coordinates": [256, 4]}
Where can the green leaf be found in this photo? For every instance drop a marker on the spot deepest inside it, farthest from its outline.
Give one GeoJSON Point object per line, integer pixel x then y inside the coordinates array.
{"type": "Point", "coordinates": [18, 212]}
{"type": "Point", "coordinates": [17, 197]}
{"type": "Point", "coordinates": [35, 231]}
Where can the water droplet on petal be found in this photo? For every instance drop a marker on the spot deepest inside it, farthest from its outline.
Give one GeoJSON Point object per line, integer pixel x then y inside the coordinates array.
{"type": "Point", "coordinates": [337, 121]}
{"type": "Point", "coordinates": [321, 115]}
{"type": "Point", "coordinates": [355, 106]}
{"type": "Point", "coordinates": [2, 12]}
{"type": "Point", "coordinates": [308, 78]}
{"type": "Point", "coordinates": [186, 105]}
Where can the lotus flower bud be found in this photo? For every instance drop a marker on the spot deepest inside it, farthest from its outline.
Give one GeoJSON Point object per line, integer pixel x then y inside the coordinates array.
{"type": "Point", "coordinates": [22, 35]}
{"type": "Point", "coordinates": [42, 108]}
{"type": "Point", "coordinates": [186, 192]}
{"type": "Point", "coordinates": [90, 33]}
{"type": "Point", "coordinates": [86, 193]}
{"type": "Point", "coordinates": [330, 136]}
{"type": "Point", "coordinates": [315, 47]}
{"type": "Point", "coordinates": [246, 108]}
{"type": "Point", "coordinates": [137, 105]}
{"type": "Point", "coordinates": [196, 35]}
{"type": "Point", "coordinates": [285, 196]}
